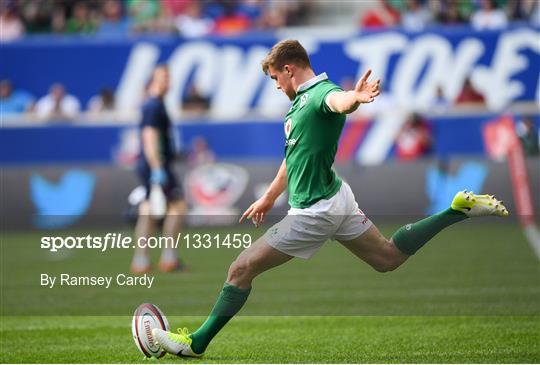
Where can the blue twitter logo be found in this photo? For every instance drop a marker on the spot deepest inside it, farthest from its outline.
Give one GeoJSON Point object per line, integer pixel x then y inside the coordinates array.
{"type": "Point", "coordinates": [61, 204]}
{"type": "Point", "coordinates": [442, 186]}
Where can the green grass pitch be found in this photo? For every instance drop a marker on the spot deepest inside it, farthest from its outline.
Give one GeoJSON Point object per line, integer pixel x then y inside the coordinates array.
{"type": "Point", "coordinates": [471, 295]}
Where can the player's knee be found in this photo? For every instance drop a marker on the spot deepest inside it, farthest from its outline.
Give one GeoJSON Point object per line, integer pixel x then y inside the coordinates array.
{"type": "Point", "coordinates": [239, 271]}
{"type": "Point", "coordinates": [144, 208]}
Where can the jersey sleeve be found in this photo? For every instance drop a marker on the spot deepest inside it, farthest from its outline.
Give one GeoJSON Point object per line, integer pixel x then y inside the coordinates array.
{"type": "Point", "coordinates": [150, 115]}
{"type": "Point", "coordinates": [323, 106]}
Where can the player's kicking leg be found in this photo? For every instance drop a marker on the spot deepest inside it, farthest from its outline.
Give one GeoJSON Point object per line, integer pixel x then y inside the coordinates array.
{"type": "Point", "coordinates": [386, 255]}
{"type": "Point", "coordinates": [251, 262]}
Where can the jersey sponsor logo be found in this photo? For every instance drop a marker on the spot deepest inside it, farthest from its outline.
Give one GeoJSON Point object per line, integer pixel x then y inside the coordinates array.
{"type": "Point", "coordinates": [288, 127]}
{"type": "Point", "coordinates": [303, 100]}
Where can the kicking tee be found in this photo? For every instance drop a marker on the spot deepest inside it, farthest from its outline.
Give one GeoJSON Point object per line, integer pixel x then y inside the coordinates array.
{"type": "Point", "coordinates": [312, 133]}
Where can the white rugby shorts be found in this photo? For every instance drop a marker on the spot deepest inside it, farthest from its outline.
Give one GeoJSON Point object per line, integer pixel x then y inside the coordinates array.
{"type": "Point", "coordinates": [303, 231]}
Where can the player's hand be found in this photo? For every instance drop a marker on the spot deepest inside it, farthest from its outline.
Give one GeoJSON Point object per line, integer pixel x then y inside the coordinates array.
{"type": "Point", "coordinates": [365, 91]}
{"type": "Point", "coordinates": [257, 211]}
{"type": "Point", "coordinates": [159, 177]}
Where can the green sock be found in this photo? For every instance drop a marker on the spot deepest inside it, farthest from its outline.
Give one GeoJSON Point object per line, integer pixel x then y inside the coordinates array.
{"type": "Point", "coordinates": [412, 237]}
{"type": "Point", "coordinates": [230, 301]}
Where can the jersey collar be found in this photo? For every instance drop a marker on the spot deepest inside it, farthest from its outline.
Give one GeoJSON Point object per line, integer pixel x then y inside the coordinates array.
{"type": "Point", "coordinates": [309, 83]}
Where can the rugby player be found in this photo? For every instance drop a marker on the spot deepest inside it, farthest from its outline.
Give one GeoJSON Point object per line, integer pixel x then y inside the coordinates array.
{"type": "Point", "coordinates": [322, 205]}
{"type": "Point", "coordinates": [155, 170]}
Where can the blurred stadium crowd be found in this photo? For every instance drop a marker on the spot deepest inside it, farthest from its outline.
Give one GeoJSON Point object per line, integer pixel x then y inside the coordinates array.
{"type": "Point", "coordinates": [191, 18]}
{"type": "Point", "coordinates": [188, 18]}
{"type": "Point", "coordinates": [415, 15]}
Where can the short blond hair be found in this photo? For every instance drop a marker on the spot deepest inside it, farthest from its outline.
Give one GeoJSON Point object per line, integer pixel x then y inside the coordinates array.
{"type": "Point", "coordinates": [286, 52]}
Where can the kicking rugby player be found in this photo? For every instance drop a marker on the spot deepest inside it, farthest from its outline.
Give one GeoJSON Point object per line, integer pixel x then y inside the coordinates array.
{"type": "Point", "coordinates": [322, 205]}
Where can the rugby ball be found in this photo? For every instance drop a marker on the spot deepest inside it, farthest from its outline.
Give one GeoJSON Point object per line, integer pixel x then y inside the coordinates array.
{"type": "Point", "coordinates": [147, 317]}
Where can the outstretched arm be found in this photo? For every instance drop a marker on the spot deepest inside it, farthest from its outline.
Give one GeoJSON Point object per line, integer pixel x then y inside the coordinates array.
{"type": "Point", "coordinates": [258, 210]}
{"type": "Point", "coordinates": [345, 102]}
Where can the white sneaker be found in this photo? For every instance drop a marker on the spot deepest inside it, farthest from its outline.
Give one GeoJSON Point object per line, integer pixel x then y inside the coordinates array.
{"type": "Point", "coordinates": [175, 343]}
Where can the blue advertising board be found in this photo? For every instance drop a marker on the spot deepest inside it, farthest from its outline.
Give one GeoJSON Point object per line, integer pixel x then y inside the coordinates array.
{"type": "Point", "coordinates": [118, 144]}
{"type": "Point", "coordinates": [503, 65]}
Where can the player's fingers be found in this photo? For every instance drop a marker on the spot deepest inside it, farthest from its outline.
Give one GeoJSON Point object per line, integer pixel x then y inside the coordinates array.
{"type": "Point", "coordinates": [246, 214]}
{"type": "Point", "coordinates": [375, 84]}
{"type": "Point", "coordinates": [361, 83]}
{"type": "Point", "coordinates": [257, 219]}
{"type": "Point", "coordinates": [366, 75]}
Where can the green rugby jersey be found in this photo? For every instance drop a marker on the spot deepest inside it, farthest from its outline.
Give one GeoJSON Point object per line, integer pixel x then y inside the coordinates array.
{"type": "Point", "coordinates": [312, 133]}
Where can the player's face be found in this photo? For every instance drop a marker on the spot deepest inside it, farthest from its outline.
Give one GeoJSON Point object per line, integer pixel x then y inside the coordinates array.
{"type": "Point", "coordinates": [161, 79]}
{"type": "Point", "coordinates": [283, 81]}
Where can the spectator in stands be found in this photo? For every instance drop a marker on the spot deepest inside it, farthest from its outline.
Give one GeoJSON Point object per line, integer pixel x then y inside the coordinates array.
{"type": "Point", "coordinates": [11, 26]}
{"type": "Point", "coordinates": [383, 15]}
{"type": "Point", "coordinates": [174, 8]}
{"type": "Point", "coordinates": [195, 103]}
{"type": "Point", "coordinates": [489, 17]}
{"type": "Point", "coordinates": [450, 12]}
{"type": "Point", "coordinates": [57, 105]}
{"type": "Point", "coordinates": [296, 12]}
{"type": "Point", "coordinates": [528, 135]}
{"type": "Point", "coordinates": [81, 20]}
{"type": "Point", "coordinates": [253, 9]}
{"type": "Point", "coordinates": [144, 14]}
{"type": "Point", "coordinates": [103, 103]}
{"type": "Point", "coordinates": [528, 10]}
{"type": "Point", "coordinates": [231, 22]}
{"type": "Point", "coordinates": [441, 104]}
{"type": "Point", "coordinates": [58, 20]}
{"type": "Point", "coordinates": [200, 153]}
{"type": "Point", "coordinates": [113, 22]}
{"type": "Point", "coordinates": [36, 15]}
{"type": "Point", "coordinates": [414, 140]}
{"type": "Point", "coordinates": [13, 102]}
{"type": "Point", "coordinates": [534, 17]}
{"type": "Point", "coordinates": [416, 17]}
{"type": "Point", "coordinates": [272, 17]}
{"type": "Point", "coordinates": [469, 96]}
{"type": "Point", "coordinates": [191, 23]}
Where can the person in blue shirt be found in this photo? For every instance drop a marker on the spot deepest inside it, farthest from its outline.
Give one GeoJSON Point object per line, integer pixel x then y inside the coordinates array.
{"type": "Point", "coordinates": [155, 170]}
{"type": "Point", "coordinates": [13, 102]}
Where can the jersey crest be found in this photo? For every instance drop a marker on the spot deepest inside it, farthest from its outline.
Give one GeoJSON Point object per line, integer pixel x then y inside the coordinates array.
{"type": "Point", "coordinates": [304, 99]}
{"type": "Point", "coordinates": [288, 127]}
